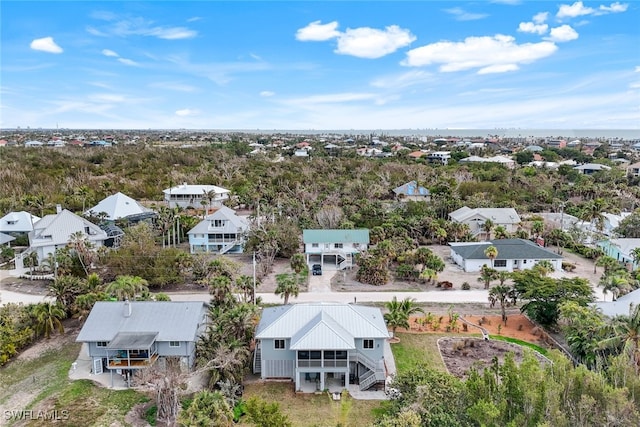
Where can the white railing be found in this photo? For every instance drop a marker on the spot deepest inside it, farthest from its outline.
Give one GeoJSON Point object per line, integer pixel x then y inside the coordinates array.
{"type": "Point", "coordinates": [230, 246]}
{"type": "Point", "coordinates": [257, 360]}
{"type": "Point", "coordinates": [365, 360]}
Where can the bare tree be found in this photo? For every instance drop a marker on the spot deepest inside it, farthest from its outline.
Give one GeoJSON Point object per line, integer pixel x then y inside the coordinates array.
{"type": "Point", "coordinates": [329, 217]}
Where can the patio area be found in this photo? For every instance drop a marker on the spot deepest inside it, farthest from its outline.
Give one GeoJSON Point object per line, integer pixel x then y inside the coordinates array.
{"type": "Point", "coordinates": [311, 383]}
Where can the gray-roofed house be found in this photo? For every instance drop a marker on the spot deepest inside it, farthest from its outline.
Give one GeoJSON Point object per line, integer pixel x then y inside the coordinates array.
{"type": "Point", "coordinates": [337, 246]}
{"type": "Point", "coordinates": [119, 206]}
{"type": "Point", "coordinates": [591, 168]}
{"type": "Point", "coordinates": [17, 223]}
{"type": "Point", "coordinates": [621, 250]}
{"type": "Point", "coordinates": [475, 218]}
{"type": "Point", "coordinates": [412, 191]}
{"type": "Point", "coordinates": [221, 232]}
{"type": "Point", "coordinates": [125, 336]}
{"type": "Point", "coordinates": [6, 239]}
{"type": "Point", "coordinates": [195, 195]}
{"type": "Point", "coordinates": [620, 307]}
{"type": "Point", "coordinates": [54, 231]}
{"type": "Point", "coordinates": [513, 254]}
{"type": "Point", "coordinates": [322, 345]}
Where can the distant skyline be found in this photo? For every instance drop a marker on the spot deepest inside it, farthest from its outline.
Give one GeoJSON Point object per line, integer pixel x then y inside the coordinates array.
{"type": "Point", "coordinates": [320, 65]}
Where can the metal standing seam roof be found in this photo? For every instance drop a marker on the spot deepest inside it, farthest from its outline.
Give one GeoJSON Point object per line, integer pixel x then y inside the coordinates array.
{"type": "Point", "coordinates": [507, 249]}
{"type": "Point", "coordinates": [497, 215]}
{"type": "Point", "coordinates": [22, 222]}
{"type": "Point", "coordinates": [60, 227]}
{"type": "Point", "coordinates": [194, 189]}
{"type": "Point", "coordinates": [336, 236]}
{"type": "Point", "coordinates": [322, 333]}
{"type": "Point", "coordinates": [118, 206]}
{"type": "Point", "coordinates": [171, 320]}
{"type": "Point", "coordinates": [411, 189]}
{"type": "Point", "coordinates": [288, 321]}
{"type": "Point", "coordinates": [224, 213]}
{"type": "Point", "coordinates": [5, 238]}
{"type": "Point", "coordinates": [132, 340]}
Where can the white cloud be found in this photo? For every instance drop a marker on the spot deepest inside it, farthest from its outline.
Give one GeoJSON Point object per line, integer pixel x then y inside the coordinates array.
{"type": "Point", "coordinates": [403, 80]}
{"type": "Point", "coordinates": [563, 33]}
{"type": "Point", "coordinates": [194, 19]}
{"type": "Point", "coordinates": [107, 97]}
{"type": "Point", "coordinates": [499, 68]}
{"type": "Point", "coordinates": [129, 62]}
{"type": "Point", "coordinates": [334, 98]}
{"type": "Point", "coordinates": [363, 42]}
{"type": "Point", "coordinates": [372, 43]}
{"type": "Point", "coordinates": [46, 44]}
{"type": "Point", "coordinates": [267, 93]}
{"type": "Point", "coordinates": [462, 15]}
{"type": "Point", "coordinates": [173, 33]}
{"type": "Point", "coordinates": [318, 32]}
{"type": "Point", "coordinates": [616, 7]}
{"type": "Point", "coordinates": [573, 10]}
{"type": "Point", "coordinates": [136, 26]}
{"type": "Point", "coordinates": [109, 52]}
{"type": "Point", "coordinates": [185, 112]}
{"type": "Point", "coordinates": [637, 69]}
{"type": "Point", "coordinates": [540, 18]}
{"type": "Point", "coordinates": [499, 53]}
{"type": "Point", "coordinates": [530, 27]}
{"type": "Point", "coordinates": [579, 9]}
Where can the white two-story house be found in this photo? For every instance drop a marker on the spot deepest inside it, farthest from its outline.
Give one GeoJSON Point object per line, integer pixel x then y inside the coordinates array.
{"type": "Point", "coordinates": [221, 232]}
{"type": "Point", "coordinates": [336, 246]}
{"type": "Point", "coordinates": [195, 196]}
{"type": "Point", "coordinates": [322, 346]}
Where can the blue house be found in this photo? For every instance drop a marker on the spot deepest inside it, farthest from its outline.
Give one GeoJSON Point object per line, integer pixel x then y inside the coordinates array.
{"type": "Point", "coordinates": [322, 346]}
{"type": "Point", "coordinates": [221, 232]}
{"type": "Point", "coordinates": [621, 250]}
{"type": "Point", "coordinates": [412, 191]}
{"type": "Point", "coordinates": [125, 336]}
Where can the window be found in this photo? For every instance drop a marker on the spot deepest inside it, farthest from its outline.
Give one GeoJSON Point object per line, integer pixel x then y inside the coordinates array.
{"type": "Point", "coordinates": [314, 245]}
{"type": "Point", "coordinates": [337, 245]}
{"type": "Point", "coordinates": [524, 262]}
{"type": "Point", "coordinates": [218, 223]}
{"type": "Point", "coordinates": [367, 344]}
{"type": "Point", "coordinates": [101, 344]}
{"type": "Point", "coordinates": [278, 344]}
{"type": "Point", "coordinates": [500, 263]}
{"type": "Point", "coordinates": [174, 343]}
{"type": "Point", "coordinates": [356, 245]}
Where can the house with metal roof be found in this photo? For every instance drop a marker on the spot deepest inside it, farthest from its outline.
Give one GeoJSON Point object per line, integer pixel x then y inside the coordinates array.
{"type": "Point", "coordinates": [621, 250]}
{"type": "Point", "coordinates": [623, 306]}
{"type": "Point", "coordinates": [513, 254]}
{"type": "Point", "coordinates": [591, 168]}
{"type": "Point", "coordinates": [6, 239]}
{"type": "Point", "coordinates": [412, 191]}
{"type": "Point", "coordinates": [121, 337]}
{"type": "Point", "coordinates": [195, 196]}
{"type": "Point", "coordinates": [17, 223]}
{"type": "Point", "coordinates": [337, 247]}
{"type": "Point", "coordinates": [323, 346]}
{"type": "Point", "coordinates": [476, 218]}
{"type": "Point", "coordinates": [54, 231]}
{"type": "Point", "coordinates": [221, 232]}
{"type": "Point", "coordinates": [118, 206]}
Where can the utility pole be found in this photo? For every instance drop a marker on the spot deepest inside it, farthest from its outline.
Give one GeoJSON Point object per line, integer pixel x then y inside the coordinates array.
{"type": "Point", "coordinates": [254, 277]}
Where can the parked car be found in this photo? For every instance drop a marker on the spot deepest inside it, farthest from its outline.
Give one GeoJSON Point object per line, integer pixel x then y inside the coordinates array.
{"type": "Point", "coordinates": [316, 270]}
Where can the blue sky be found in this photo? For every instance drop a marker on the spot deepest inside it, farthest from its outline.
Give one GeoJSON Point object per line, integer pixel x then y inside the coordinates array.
{"type": "Point", "coordinates": [320, 65]}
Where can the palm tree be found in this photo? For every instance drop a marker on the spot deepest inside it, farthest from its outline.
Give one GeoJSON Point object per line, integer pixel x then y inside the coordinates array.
{"type": "Point", "coordinates": [487, 274]}
{"type": "Point", "coordinates": [127, 287]}
{"type": "Point", "coordinates": [208, 408]}
{"type": "Point", "coordinates": [298, 263]}
{"type": "Point", "coordinates": [487, 227]}
{"type": "Point", "coordinates": [635, 255]}
{"type": "Point", "coordinates": [492, 253]}
{"type": "Point", "coordinates": [48, 318]}
{"type": "Point", "coordinates": [501, 293]}
{"type": "Point", "coordinates": [65, 289]}
{"type": "Point", "coordinates": [537, 227]}
{"type": "Point", "coordinates": [399, 312]}
{"type": "Point", "coordinates": [287, 285]}
{"type": "Point", "coordinates": [626, 336]}
{"type": "Point", "coordinates": [83, 192]}
{"type": "Point", "coordinates": [501, 232]}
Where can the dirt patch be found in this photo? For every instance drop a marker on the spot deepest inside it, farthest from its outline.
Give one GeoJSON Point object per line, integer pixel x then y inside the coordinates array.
{"type": "Point", "coordinates": [25, 286]}
{"type": "Point", "coordinates": [461, 354]}
{"type": "Point", "coordinates": [518, 326]}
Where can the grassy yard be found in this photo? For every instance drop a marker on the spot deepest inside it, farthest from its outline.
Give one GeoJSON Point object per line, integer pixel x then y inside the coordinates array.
{"type": "Point", "coordinates": [314, 410]}
{"type": "Point", "coordinates": [417, 348]}
{"type": "Point", "coordinates": [42, 384]}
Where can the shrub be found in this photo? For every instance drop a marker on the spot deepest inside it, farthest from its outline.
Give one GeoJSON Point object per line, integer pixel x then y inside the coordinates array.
{"type": "Point", "coordinates": [466, 286]}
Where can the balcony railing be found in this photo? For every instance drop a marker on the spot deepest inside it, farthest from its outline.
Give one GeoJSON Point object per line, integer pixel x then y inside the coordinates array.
{"type": "Point", "coordinates": [131, 362]}
{"type": "Point", "coordinates": [317, 363]}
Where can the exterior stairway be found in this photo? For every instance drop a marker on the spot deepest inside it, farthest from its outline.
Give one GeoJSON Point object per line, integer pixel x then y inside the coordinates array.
{"type": "Point", "coordinates": [376, 371]}
{"type": "Point", "coordinates": [257, 360]}
{"type": "Point", "coordinates": [228, 247]}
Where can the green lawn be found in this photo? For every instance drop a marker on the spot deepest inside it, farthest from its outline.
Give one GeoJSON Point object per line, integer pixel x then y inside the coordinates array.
{"type": "Point", "coordinates": [42, 384]}
{"type": "Point", "coordinates": [417, 348]}
{"type": "Point", "coordinates": [527, 344]}
{"type": "Point", "coordinates": [314, 410]}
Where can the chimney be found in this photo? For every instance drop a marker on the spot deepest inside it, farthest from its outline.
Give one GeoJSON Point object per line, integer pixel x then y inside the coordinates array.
{"type": "Point", "coordinates": [127, 308]}
{"type": "Point", "coordinates": [58, 208]}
